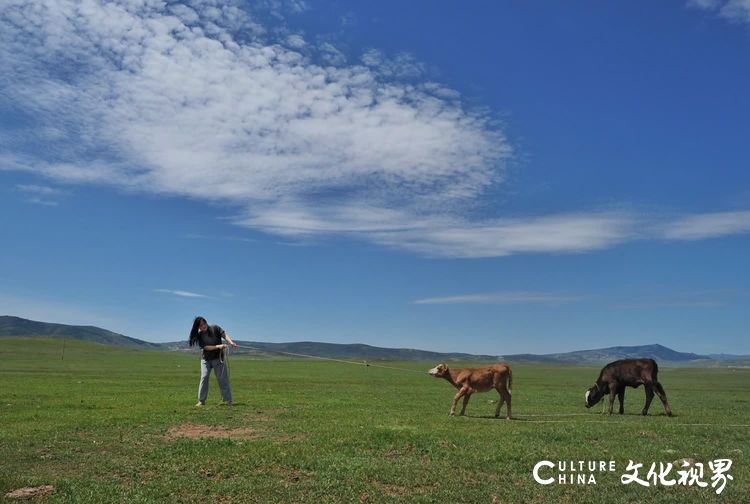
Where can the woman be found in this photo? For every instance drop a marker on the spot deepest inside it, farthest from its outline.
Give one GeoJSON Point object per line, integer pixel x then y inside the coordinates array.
{"type": "Point", "coordinates": [209, 339]}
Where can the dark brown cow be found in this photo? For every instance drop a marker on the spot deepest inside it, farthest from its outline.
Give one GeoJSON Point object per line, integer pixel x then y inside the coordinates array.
{"type": "Point", "coordinates": [615, 376]}
{"type": "Point", "coordinates": [470, 380]}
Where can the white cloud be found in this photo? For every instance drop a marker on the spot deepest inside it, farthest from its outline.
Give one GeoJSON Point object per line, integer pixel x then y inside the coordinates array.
{"type": "Point", "coordinates": [43, 202]}
{"type": "Point", "coordinates": [736, 10]}
{"type": "Point", "coordinates": [443, 235]}
{"type": "Point", "coordinates": [40, 195]}
{"type": "Point", "coordinates": [199, 236]}
{"type": "Point", "coordinates": [195, 101]}
{"type": "Point", "coordinates": [201, 101]}
{"type": "Point", "coordinates": [296, 41]}
{"type": "Point", "coordinates": [732, 10]}
{"type": "Point", "coordinates": [704, 4]}
{"type": "Point", "coordinates": [709, 225]}
{"type": "Point", "coordinates": [549, 234]}
{"type": "Point", "coordinates": [331, 55]}
{"type": "Point", "coordinates": [181, 293]}
{"type": "Point", "coordinates": [39, 190]}
{"type": "Point", "coordinates": [501, 298]}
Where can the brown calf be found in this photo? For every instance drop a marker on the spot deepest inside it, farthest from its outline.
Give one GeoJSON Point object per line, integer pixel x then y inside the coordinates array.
{"type": "Point", "coordinates": [470, 380]}
{"type": "Point", "coordinates": [615, 376]}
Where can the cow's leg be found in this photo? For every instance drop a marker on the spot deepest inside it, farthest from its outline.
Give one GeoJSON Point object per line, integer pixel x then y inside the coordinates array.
{"type": "Point", "coordinates": [507, 396]}
{"type": "Point", "coordinates": [649, 397]}
{"type": "Point", "coordinates": [499, 401]}
{"type": "Point", "coordinates": [612, 394]}
{"type": "Point", "coordinates": [458, 396]}
{"type": "Point", "coordinates": [467, 396]}
{"type": "Point", "coordinates": [663, 397]}
{"type": "Point", "coordinates": [621, 398]}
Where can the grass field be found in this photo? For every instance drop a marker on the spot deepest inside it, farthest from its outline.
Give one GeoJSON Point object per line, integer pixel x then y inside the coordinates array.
{"type": "Point", "coordinates": [113, 425]}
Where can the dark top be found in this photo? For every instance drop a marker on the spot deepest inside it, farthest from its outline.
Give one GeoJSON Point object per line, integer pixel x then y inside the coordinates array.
{"type": "Point", "coordinates": [211, 337]}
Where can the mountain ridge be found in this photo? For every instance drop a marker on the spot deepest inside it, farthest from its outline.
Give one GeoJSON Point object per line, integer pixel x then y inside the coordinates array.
{"type": "Point", "coordinates": [19, 327]}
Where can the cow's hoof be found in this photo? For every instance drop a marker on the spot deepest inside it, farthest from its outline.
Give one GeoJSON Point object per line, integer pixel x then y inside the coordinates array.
{"type": "Point", "coordinates": [451, 414]}
{"type": "Point", "coordinates": [669, 413]}
{"type": "Point", "coordinates": [508, 417]}
{"type": "Point", "coordinates": [644, 413]}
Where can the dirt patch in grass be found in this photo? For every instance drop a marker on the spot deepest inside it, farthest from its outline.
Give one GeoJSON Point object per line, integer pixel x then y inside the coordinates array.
{"type": "Point", "coordinates": [286, 473]}
{"type": "Point", "coordinates": [30, 492]}
{"type": "Point", "coordinates": [260, 430]}
{"type": "Point", "coordinates": [393, 490]}
{"type": "Point", "coordinates": [197, 431]}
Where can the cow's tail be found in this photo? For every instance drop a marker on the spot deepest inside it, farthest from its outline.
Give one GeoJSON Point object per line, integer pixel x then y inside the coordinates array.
{"type": "Point", "coordinates": [509, 381]}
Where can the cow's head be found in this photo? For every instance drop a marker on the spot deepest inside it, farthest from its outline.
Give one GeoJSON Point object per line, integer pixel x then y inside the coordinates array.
{"type": "Point", "coordinates": [439, 371]}
{"type": "Point", "coordinates": [594, 395]}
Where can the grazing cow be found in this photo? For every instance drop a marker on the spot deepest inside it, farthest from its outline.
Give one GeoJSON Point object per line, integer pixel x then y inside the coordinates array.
{"type": "Point", "coordinates": [615, 376]}
{"type": "Point", "coordinates": [470, 380]}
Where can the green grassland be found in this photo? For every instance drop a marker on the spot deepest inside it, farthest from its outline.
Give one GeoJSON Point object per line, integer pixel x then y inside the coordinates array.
{"type": "Point", "coordinates": [107, 424]}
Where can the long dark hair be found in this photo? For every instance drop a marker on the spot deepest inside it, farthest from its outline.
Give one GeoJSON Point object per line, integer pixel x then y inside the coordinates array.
{"type": "Point", "coordinates": [194, 331]}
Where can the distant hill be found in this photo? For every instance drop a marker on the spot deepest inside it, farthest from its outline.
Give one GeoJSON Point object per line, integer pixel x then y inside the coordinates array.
{"type": "Point", "coordinates": [659, 353]}
{"type": "Point", "coordinates": [15, 326]}
{"type": "Point", "coordinates": [348, 351]}
{"type": "Point", "coordinates": [600, 356]}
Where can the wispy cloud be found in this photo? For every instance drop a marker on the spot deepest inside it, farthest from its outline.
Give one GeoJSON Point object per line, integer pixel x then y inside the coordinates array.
{"type": "Point", "coordinates": [450, 236]}
{"type": "Point", "coordinates": [198, 236]}
{"type": "Point", "coordinates": [41, 195]}
{"type": "Point", "coordinates": [501, 298]}
{"type": "Point", "coordinates": [500, 237]}
{"type": "Point", "coordinates": [704, 4]}
{"type": "Point", "coordinates": [43, 202]}
{"type": "Point", "coordinates": [201, 101]}
{"type": "Point", "coordinates": [709, 225]}
{"type": "Point", "coordinates": [653, 297]}
{"type": "Point", "coordinates": [39, 190]}
{"type": "Point", "coordinates": [442, 235]}
{"type": "Point", "coordinates": [181, 293]}
{"type": "Point", "coordinates": [732, 10]}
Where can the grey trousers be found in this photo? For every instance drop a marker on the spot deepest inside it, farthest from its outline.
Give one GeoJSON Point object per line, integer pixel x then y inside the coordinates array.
{"type": "Point", "coordinates": [222, 376]}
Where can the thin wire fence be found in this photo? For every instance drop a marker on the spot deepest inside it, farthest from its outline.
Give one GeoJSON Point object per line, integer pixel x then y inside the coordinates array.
{"type": "Point", "coordinates": [343, 361]}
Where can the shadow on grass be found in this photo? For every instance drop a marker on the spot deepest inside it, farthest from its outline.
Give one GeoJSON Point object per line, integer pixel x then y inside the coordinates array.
{"type": "Point", "coordinates": [487, 417]}
{"type": "Point", "coordinates": [632, 414]}
{"type": "Point", "coordinates": [555, 417]}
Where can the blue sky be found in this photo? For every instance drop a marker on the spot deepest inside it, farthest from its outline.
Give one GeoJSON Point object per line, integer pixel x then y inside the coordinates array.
{"type": "Point", "coordinates": [490, 177]}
